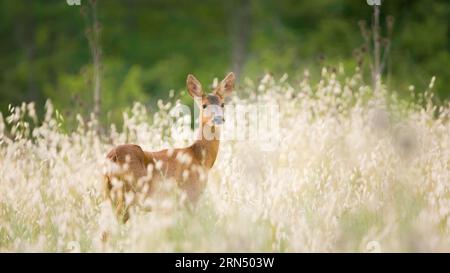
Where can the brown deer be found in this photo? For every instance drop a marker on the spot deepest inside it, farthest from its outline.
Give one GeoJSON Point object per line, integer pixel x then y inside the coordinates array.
{"type": "Point", "coordinates": [140, 172]}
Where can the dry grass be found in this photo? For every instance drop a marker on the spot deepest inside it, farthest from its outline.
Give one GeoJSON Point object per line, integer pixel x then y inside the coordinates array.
{"type": "Point", "coordinates": [354, 171]}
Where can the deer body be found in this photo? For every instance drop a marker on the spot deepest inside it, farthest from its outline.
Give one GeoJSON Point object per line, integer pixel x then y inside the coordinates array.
{"type": "Point", "coordinates": [142, 172]}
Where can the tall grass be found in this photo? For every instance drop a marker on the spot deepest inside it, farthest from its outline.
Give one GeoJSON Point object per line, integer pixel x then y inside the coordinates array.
{"type": "Point", "coordinates": [354, 171]}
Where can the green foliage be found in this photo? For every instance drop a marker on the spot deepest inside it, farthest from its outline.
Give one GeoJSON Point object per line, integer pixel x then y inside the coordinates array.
{"type": "Point", "coordinates": [148, 47]}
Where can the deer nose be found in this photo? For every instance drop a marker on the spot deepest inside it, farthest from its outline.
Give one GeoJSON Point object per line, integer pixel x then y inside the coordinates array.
{"type": "Point", "coordinates": [218, 120]}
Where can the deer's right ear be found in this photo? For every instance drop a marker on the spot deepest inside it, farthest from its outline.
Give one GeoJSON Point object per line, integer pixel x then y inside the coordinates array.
{"type": "Point", "coordinates": [194, 87]}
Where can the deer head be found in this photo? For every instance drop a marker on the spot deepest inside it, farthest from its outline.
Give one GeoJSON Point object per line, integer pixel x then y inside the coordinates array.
{"type": "Point", "coordinates": [211, 104]}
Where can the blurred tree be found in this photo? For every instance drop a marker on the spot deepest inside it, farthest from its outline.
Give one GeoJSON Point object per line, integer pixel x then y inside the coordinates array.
{"type": "Point", "coordinates": [240, 33]}
{"type": "Point", "coordinates": [148, 47]}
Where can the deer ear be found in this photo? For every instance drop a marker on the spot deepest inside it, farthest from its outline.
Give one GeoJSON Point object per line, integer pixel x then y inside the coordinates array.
{"type": "Point", "coordinates": [193, 86]}
{"type": "Point", "coordinates": [226, 86]}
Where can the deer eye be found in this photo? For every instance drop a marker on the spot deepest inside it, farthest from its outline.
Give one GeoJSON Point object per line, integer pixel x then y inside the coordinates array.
{"type": "Point", "coordinates": [204, 106]}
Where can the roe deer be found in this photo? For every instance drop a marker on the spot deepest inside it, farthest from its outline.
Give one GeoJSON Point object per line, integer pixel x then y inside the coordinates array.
{"type": "Point", "coordinates": [141, 171]}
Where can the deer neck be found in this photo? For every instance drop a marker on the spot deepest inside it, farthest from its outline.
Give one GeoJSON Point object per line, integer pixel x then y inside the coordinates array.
{"type": "Point", "coordinates": [206, 148]}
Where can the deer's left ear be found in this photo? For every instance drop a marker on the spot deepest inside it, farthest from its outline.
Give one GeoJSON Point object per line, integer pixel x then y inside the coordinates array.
{"type": "Point", "coordinates": [226, 86]}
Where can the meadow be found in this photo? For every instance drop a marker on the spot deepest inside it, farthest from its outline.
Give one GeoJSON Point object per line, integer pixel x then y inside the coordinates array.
{"type": "Point", "coordinates": [354, 170]}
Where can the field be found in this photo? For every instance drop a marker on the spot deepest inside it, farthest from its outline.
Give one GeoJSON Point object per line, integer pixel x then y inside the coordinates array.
{"type": "Point", "coordinates": [353, 170]}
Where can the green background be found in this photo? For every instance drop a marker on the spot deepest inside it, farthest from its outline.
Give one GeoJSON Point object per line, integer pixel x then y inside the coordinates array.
{"type": "Point", "coordinates": [148, 47]}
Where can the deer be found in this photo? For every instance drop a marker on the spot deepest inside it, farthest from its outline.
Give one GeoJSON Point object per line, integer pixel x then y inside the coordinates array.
{"type": "Point", "coordinates": [141, 172]}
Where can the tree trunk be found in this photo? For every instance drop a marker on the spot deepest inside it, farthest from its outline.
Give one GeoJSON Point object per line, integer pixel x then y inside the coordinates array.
{"type": "Point", "coordinates": [240, 33]}
{"type": "Point", "coordinates": [376, 73]}
{"type": "Point", "coordinates": [25, 35]}
{"type": "Point", "coordinates": [96, 59]}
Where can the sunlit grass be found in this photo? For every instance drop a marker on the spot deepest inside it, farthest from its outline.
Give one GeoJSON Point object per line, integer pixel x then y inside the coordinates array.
{"type": "Point", "coordinates": [354, 171]}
